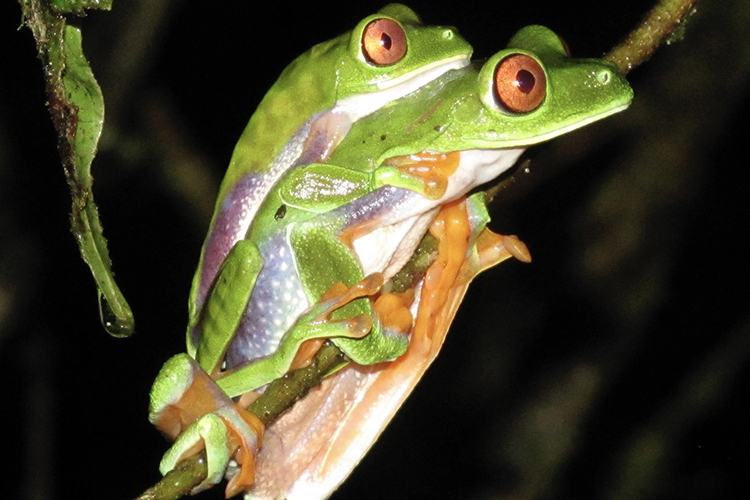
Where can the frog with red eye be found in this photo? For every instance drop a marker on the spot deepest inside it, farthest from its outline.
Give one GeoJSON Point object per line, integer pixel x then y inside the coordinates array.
{"type": "Point", "coordinates": [310, 109]}
{"type": "Point", "coordinates": [404, 171]}
{"type": "Point", "coordinates": [302, 119]}
{"type": "Point", "coordinates": [346, 227]}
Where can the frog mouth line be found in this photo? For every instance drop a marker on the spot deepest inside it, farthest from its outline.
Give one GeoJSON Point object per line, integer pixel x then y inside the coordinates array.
{"type": "Point", "coordinates": [428, 72]}
{"type": "Point", "coordinates": [361, 105]}
{"type": "Point", "coordinates": [583, 123]}
{"type": "Point", "coordinates": [487, 144]}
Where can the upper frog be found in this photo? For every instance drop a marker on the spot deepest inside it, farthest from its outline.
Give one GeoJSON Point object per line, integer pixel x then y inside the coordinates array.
{"type": "Point", "coordinates": [311, 107]}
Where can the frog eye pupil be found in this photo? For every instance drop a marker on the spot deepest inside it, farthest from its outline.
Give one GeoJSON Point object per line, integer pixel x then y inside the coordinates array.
{"type": "Point", "coordinates": [525, 81]}
{"type": "Point", "coordinates": [386, 41]}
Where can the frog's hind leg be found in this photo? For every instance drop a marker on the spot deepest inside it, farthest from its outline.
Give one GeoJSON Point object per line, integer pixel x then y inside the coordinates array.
{"type": "Point", "coordinates": [336, 297]}
{"type": "Point", "coordinates": [329, 267]}
{"type": "Point", "coordinates": [198, 414]}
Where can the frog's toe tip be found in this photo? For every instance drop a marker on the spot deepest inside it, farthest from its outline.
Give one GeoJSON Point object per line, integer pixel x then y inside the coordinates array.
{"type": "Point", "coordinates": [242, 480]}
{"type": "Point", "coordinates": [517, 248]}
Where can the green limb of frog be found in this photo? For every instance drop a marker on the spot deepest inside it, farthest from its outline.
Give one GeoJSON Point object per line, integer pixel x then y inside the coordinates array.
{"type": "Point", "coordinates": [213, 431]}
{"type": "Point", "coordinates": [424, 173]}
{"type": "Point", "coordinates": [319, 244]}
{"type": "Point", "coordinates": [223, 311]}
{"type": "Point", "coordinates": [210, 429]}
{"type": "Point", "coordinates": [343, 313]}
{"type": "Point", "coordinates": [188, 406]}
{"type": "Point", "coordinates": [323, 321]}
{"type": "Point", "coordinates": [320, 187]}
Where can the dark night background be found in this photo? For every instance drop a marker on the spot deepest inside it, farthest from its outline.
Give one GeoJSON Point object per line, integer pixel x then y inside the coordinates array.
{"type": "Point", "coordinates": [614, 366]}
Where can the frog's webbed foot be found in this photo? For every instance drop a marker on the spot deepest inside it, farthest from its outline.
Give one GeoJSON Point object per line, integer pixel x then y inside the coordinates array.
{"type": "Point", "coordinates": [187, 405]}
{"type": "Point", "coordinates": [354, 327]}
{"type": "Point", "coordinates": [392, 310]}
{"type": "Point", "coordinates": [426, 173]}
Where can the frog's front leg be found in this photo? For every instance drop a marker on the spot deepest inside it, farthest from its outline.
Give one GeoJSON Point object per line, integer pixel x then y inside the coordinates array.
{"type": "Point", "coordinates": [188, 406]}
{"type": "Point", "coordinates": [426, 173]}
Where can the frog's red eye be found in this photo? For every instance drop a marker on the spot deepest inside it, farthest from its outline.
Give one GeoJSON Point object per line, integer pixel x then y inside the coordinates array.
{"type": "Point", "coordinates": [520, 83]}
{"type": "Point", "coordinates": [384, 42]}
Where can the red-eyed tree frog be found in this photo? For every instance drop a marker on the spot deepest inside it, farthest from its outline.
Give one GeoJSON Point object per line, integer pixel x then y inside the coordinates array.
{"type": "Point", "coordinates": [302, 118]}
{"type": "Point", "coordinates": [329, 235]}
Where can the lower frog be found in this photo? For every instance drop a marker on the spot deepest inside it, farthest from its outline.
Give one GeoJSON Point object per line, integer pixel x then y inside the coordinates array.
{"type": "Point", "coordinates": [329, 236]}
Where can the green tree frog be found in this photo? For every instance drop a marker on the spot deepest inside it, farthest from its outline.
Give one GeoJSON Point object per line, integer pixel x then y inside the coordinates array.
{"type": "Point", "coordinates": [302, 118]}
{"type": "Point", "coordinates": [326, 238]}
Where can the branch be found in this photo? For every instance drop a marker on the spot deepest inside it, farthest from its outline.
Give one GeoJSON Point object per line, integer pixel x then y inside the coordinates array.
{"type": "Point", "coordinates": [664, 23]}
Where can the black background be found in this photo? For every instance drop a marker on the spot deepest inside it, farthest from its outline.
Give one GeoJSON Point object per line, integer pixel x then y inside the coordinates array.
{"type": "Point", "coordinates": [613, 366]}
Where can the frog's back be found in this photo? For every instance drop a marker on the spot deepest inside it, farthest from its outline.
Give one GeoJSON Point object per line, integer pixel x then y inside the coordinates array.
{"type": "Point", "coordinates": [304, 89]}
{"type": "Point", "coordinates": [272, 141]}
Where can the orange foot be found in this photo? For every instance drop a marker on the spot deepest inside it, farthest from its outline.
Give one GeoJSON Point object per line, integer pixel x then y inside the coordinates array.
{"type": "Point", "coordinates": [336, 297]}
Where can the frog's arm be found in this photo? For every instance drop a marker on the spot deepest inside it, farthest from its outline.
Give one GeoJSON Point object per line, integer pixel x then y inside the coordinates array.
{"type": "Point", "coordinates": [426, 173]}
{"type": "Point", "coordinates": [312, 448]}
